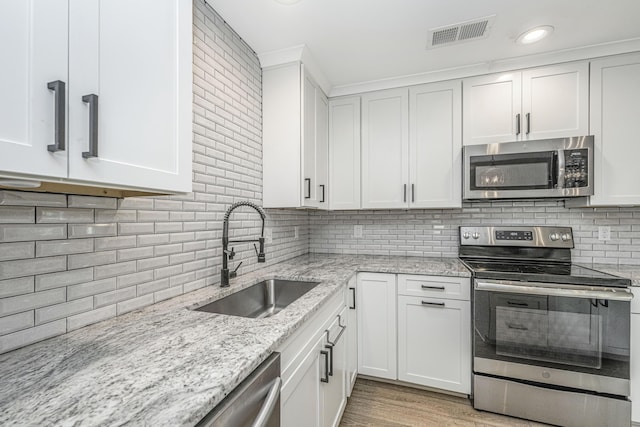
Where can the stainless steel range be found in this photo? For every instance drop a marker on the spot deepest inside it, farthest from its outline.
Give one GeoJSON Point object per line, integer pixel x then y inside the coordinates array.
{"type": "Point", "coordinates": [551, 338]}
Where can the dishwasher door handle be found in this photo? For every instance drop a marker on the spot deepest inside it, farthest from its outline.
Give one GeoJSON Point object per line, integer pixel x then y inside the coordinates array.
{"type": "Point", "coordinates": [269, 404]}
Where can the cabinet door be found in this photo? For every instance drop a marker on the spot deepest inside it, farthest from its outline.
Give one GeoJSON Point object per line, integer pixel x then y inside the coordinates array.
{"type": "Point", "coordinates": [344, 153]}
{"type": "Point", "coordinates": [301, 396]}
{"type": "Point", "coordinates": [309, 194]}
{"type": "Point", "coordinates": [352, 337]}
{"type": "Point", "coordinates": [434, 343]}
{"type": "Point", "coordinates": [376, 302]}
{"type": "Point", "coordinates": [615, 91]}
{"type": "Point", "coordinates": [34, 48]}
{"type": "Point", "coordinates": [555, 101]}
{"type": "Point", "coordinates": [492, 108]}
{"type": "Point", "coordinates": [142, 79]}
{"type": "Point", "coordinates": [334, 397]}
{"type": "Point", "coordinates": [322, 149]}
{"type": "Point", "coordinates": [385, 146]}
{"type": "Point", "coordinates": [435, 145]}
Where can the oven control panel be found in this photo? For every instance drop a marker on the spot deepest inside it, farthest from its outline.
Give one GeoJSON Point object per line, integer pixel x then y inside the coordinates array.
{"type": "Point", "coordinates": [524, 236]}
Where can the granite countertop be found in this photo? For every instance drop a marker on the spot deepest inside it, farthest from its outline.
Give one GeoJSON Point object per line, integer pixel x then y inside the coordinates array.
{"type": "Point", "coordinates": [165, 364]}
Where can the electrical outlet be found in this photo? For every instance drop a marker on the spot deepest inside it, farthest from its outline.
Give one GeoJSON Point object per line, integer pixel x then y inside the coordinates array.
{"type": "Point", "coordinates": [268, 235]}
{"type": "Point", "coordinates": [296, 232]}
{"type": "Point", "coordinates": [357, 231]}
{"type": "Point", "coordinates": [604, 233]}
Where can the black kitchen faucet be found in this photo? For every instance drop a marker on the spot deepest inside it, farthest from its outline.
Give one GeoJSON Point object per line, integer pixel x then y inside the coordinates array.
{"type": "Point", "coordinates": [227, 254]}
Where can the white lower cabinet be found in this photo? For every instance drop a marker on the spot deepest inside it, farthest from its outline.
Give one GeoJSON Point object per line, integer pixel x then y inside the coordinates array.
{"type": "Point", "coordinates": [352, 336]}
{"type": "Point", "coordinates": [376, 302]}
{"type": "Point", "coordinates": [313, 371]}
{"type": "Point", "coordinates": [434, 346]}
{"type": "Point", "coordinates": [432, 327]}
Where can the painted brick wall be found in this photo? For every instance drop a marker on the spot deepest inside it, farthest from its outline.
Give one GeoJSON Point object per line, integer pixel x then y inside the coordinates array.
{"type": "Point", "coordinates": [69, 261]}
{"type": "Point", "coordinates": [435, 232]}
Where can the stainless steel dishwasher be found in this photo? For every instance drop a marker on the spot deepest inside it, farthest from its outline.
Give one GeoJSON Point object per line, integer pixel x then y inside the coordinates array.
{"type": "Point", "coordinates": [254, 403]}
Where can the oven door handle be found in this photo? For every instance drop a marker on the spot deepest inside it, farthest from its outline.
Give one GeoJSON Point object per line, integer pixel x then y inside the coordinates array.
{"type": "Point", "coordinates": [568, 291]}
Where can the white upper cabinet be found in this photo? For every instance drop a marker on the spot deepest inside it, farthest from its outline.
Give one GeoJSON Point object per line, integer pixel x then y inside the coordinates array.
{"type": "Point", "coordinates": [295, 139]}
{"type": "Point", "coordinates": [435, 145]}
{"type": "Point", "coordinates": [411, 147]}
{"type": "Point", "coordinates": [93, 99]}
{"type": "Point", "coordinates": [142, 86]}
{"type": "Point", "coordinates": [34, 47]}
{"type": "Point", "coordinates": [615, 107]}
{"type": "Point", "coordinates": [344, 153]}
{"type": "Point", "coordinates": [385, 149]}
{"type": "Point", "coordinates": [548, 102]}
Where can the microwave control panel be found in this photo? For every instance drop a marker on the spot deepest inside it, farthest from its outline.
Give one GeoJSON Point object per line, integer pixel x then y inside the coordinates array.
{"type": "Point", "coordinates": [576, 168]}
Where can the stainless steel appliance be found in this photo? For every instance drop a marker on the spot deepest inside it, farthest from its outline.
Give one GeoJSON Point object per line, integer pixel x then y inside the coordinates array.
{"type": "Point", "coordinates": [557, 168]}
{"type": "Point", "coordinates": [254, 403]}
{"type": "Point", "coordinates": [551, 339]}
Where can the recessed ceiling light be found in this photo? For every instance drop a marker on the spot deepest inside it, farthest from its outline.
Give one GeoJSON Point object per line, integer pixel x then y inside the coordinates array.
{"type": "Point", "coordinates": [288, 2]}
{"type": "Point", "coordinates": [535, 34]}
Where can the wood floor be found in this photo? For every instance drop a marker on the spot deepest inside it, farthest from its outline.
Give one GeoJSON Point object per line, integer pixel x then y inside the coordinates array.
{"type": "Point", "coordinates": [374, 403]}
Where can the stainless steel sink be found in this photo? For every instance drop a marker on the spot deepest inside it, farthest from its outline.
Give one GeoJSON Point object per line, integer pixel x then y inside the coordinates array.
{"type": "Point", "coordinates": [263, 299]}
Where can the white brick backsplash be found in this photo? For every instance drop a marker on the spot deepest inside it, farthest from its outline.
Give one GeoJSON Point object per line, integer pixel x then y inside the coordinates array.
{"type": "Point", "coordinates": [120, 242]}
{"type": "Point", "coordinates": [21, 250]}
{"type": "Point", "coordinates": [92, 202]}
{"type": "Point", "coordinates": [16, 322]}
{"type": "Point", "coordinates": [135, 278]}
{"type": "Point", "coordinates": [112, 297]}
{"type": "Point", "coordinates": [91, 288]}
{"type": "Point", "coordinates": [66, 278]}
{"type": "Point", "coordinates": [17, 215]}
{"type": "Point", "coordinates": [90, 317]}
{"type": "Point", "coordinates": [136, 239]}
{"type": "Point", "coordinates": [31, 301]}
{"type": "Point", "coordinates": [60, 311]}
{"type": "Point", "coordinates": [21, 233]}
{"type": "Point", "coordinates": [135, 303]}
{"type": "Point", "coordinates": [88, 260]}
{"type": "Point", "coordinates": [63, 215]}
{"type": "Point", "coordinates": [63, 247]}
{"type": "Point", "coordinates": [111, 215]}
{"type": "Point", "coordinates": [113, 270]}
{"type": "Point", "coordinates": [20, 198]}
{"type": "Point", "coordinates": [29, 336]}
{"type": "Point", "coordinates": [78, 231]}
{"type": "Point", "coordinates": [30, 267]}
{"type": "Point", "coordinates": [19, 286]}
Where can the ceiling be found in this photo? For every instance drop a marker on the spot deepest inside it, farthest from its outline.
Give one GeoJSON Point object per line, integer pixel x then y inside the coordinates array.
{"type": "Point", "coordinates": [355, 41]}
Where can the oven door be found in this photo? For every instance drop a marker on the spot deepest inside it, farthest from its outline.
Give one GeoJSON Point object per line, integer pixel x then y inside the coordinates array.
{"type": "Point", "coordinates": [564, 335]}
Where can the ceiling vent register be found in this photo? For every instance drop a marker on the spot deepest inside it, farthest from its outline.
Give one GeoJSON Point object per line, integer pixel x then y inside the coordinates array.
{"type": "Point", "coordinates": [458, 33]}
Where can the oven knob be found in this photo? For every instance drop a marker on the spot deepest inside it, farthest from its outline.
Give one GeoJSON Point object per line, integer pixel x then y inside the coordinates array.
{"type": "Point", "coordinates": [554, 236]}
{"type": "Point", "coordinates": [476, 235]}
{"type": "Point", "coordinates": [466, 235]}
{"type": "Point", "coordinates": [566, 237]}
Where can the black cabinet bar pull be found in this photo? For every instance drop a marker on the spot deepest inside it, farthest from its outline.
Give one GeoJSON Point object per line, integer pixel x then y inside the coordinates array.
{"type": "Point", "coordinates": [435, 304]}
{"type": "Point", "coordinates": [518, 124]}
{"type": "Point", "coordinates": [325, 379]}
{"type": "Point", "coordinates": [322, 187]}
{"type": "Point", "coordinates": [92, 100]}
{"type": "Point", "coordinates": [330, 348]}
{"type": "Point", "coordinates": [413, 193]}
{"type": "Point", "coordinates": [308, 182]}
{"type": "Point", "coordinates": [404, 192]}
{"type": "Point", "coordinates": [438, 288]}
{"type": "Point", "coordinates": [60, 121]}
{"type": "Point", "coordinates": [528, 123]}
{"type": "Point", "coordinates": [353, 294]}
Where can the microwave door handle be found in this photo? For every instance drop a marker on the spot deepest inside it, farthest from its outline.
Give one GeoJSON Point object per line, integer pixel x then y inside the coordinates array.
{"type": "Point", "coordinates": [560, 162]}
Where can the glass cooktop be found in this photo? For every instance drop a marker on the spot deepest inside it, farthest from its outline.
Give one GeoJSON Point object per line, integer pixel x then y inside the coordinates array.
{"type": "Point", "coordinates": [566, 273]}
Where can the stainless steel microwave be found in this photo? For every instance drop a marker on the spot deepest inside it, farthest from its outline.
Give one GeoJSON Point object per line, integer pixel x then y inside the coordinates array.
{"type": "Point", "coordinates": [560, 168]}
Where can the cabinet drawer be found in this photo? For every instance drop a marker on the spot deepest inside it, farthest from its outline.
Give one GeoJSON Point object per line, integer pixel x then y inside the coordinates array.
{"type": "Point", "coordinates": [434, 286]}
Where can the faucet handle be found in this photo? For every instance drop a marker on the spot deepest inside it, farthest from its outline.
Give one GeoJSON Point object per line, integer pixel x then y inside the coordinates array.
{"type": "Point", "coordinates": [232, 254]}
{"type": "Point", "coordinates": [234, 273]}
